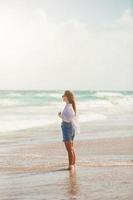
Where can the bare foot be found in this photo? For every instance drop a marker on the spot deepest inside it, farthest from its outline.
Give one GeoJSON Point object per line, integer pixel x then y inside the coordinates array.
{"type": "Point", "coordinates": [71, 167]}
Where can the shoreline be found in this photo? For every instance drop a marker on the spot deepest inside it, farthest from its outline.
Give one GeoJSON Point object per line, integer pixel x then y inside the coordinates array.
{"type": "Point", "coordinates": [34, 156]}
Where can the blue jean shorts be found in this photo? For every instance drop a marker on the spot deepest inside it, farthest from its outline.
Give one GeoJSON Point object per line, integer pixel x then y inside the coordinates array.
{"type": "Point", "coordinates": [67, 131]}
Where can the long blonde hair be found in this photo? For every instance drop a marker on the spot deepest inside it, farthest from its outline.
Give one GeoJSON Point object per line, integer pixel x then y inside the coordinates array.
{"type": "Point", "coordinates": [71, 98]}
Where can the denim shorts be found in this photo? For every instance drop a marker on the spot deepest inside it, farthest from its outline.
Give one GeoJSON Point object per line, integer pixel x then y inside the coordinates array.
{"type": "Point", "coordinates": [67, 131]}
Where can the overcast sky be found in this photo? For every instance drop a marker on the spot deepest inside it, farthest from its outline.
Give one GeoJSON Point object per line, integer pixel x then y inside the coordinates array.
{"type": "Point", "coordinates": [66, 44]}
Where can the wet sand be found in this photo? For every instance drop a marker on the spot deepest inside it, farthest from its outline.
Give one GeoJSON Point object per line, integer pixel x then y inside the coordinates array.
{"type": "Point", "coordinates": [32, 168]}
{"type": "Point", "coordinates": [87, 183]}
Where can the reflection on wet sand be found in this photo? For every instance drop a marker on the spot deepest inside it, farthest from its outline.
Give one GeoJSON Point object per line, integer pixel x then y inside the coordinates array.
{"type": "Point", "coordinates": [73, 186]}
{"type": "Point", "coordinates": [71, 182]}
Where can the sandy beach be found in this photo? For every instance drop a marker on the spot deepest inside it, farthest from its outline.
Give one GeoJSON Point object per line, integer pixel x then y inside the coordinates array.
{"type": "Point", "coordinates": [31, 169]}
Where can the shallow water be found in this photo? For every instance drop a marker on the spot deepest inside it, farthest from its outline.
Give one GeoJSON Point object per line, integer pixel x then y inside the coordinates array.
{"type": "Point", "coordinates": [86, 183]}
{"type": "Point", "coordinates": [32, 168]}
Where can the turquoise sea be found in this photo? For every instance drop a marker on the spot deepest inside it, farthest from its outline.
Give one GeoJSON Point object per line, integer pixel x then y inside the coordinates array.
{"type": "Point", "coordinates": [101, 113]}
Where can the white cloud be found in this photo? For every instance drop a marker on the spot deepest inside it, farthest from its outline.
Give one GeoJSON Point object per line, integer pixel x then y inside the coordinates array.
{"type": "Point", "coordinates": [126, 19]}
{"type": "Point", "coordinates": [36, 53]}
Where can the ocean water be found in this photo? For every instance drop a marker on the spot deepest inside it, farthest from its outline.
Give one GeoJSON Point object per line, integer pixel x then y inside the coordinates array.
{"type": "Point", "coordinates": [101, 113]}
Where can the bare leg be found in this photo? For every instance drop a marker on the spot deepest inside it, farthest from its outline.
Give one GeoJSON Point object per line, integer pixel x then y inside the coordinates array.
{"type": "Point", "coordinates": [74, 155]}
{"type": "Point", "coordinates": [71, 153]}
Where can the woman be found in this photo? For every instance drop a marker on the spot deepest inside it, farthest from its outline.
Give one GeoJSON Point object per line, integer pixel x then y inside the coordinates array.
{"type": "Point", "coordinates": [69, 126]}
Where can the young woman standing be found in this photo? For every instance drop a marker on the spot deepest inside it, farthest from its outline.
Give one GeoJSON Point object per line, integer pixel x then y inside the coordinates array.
{"type": "Point", "coordinates": [69, 126]}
